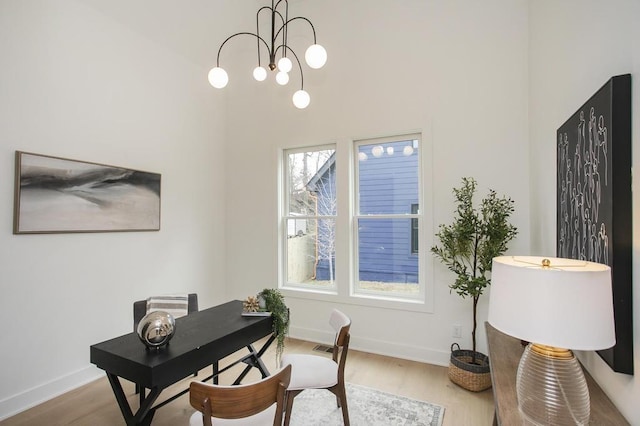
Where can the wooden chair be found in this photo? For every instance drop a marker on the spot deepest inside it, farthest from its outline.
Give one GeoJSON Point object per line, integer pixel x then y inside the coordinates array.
{"type": "Point", "coordinates": [260, 403]}
{"type": "Point", "coordinates": [318, 372]}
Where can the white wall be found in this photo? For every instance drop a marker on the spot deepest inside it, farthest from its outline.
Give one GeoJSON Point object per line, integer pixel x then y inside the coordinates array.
{"type": "Point", "coordinates": [483, 87]}
{"type": "Point", "coordinates": [78, 85]}
{"type": "Point", "coordinates": [457, 71]}
{"type": "Point", "coordinates": [576, 46]}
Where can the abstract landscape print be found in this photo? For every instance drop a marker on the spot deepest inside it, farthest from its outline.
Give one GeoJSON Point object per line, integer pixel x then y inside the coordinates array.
{"type": "Point", "coordinates": [55, 195]}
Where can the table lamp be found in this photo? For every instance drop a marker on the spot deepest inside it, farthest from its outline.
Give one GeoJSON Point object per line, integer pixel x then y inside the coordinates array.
{"type": "Point", "coordinates": [557, 305]}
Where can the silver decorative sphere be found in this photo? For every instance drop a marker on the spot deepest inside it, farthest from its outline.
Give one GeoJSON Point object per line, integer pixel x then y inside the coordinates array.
{"type": "Point", "coordinates": [156, 328]}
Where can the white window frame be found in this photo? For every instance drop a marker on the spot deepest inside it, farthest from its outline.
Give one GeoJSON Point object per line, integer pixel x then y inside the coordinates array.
{"type": "Point", "coordinates": [286, 215]}
{"type": "Point", "coordinates": [390, 296]}
{"type": "Point", "coordinates": [346, 264]}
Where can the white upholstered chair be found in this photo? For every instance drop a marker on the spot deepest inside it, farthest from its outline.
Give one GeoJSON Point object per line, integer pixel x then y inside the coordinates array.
{"type": "Point", "coordinates": [260, 403]}
{"type": "Point", "coordinates": [318, 372]}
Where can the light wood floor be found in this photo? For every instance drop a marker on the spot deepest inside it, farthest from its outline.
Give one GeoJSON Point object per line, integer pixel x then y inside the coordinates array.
{"type": "Point", "coordinates": [95, 405]}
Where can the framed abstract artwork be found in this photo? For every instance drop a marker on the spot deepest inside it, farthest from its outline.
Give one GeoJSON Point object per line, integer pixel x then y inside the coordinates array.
{"type": "Point", "coordinates": [594, 208]}
{"type": "Point", "coordinates": [58, 195]}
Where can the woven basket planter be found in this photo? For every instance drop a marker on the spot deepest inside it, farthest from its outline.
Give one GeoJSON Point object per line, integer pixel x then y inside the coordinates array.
{"type": "Point", "coordinates": [473, 377]}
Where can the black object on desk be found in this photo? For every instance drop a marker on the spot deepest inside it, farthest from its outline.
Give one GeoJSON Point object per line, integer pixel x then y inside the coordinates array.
{"type": "Point", "coordinates": [201, 339]}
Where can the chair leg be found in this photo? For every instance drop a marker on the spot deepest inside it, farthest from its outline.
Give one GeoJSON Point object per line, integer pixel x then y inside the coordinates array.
{"type": "Point", "coordinates": [341, 398]}
{"type": "Point", "coordinates": [288, 396]}
{"type": "Point", "coordinates": [345, 411]}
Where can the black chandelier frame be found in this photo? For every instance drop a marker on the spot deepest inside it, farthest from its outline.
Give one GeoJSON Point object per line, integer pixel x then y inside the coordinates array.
{"type": "Point", "coordinates": [282, 31]}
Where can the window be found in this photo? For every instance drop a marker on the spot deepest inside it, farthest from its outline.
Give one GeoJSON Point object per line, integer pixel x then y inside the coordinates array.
{"type": "Point", "coordinates": [368, 249]}
{"type": "Point", "coordinates": [309, 217]}
{"type": "Point", "coordinates": [387, 217]}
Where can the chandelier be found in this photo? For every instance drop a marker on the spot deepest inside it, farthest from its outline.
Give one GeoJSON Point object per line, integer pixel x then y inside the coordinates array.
{"type": "Point", "coordinates": [276, 46]}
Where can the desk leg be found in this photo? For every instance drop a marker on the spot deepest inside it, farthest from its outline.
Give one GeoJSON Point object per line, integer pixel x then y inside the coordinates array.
{"type": "Point", "coordinates": [254, 359]}
{"type": "Point", "coordinates": [141, 391]}
{"type": "Point", "coordinates": [144, 415]}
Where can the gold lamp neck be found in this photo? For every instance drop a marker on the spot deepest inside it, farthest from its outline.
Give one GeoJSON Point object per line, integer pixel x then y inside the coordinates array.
{"type": "Point", "coordinates": [552, 351]}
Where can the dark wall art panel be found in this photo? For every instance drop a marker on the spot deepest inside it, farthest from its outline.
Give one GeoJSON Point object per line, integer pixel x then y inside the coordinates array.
{"type": "Point", "coordinates": [55, 195]}
{"type": "Point", "coordinates": [594, 200]}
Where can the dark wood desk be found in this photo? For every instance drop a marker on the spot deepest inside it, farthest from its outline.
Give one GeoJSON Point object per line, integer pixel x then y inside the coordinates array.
{"type": "Point", "coordinates": [201, 339]}
{"type": "Point", "coordinates": [504, 355]}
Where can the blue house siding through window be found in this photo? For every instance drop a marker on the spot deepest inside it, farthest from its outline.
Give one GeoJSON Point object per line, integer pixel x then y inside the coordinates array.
{"type": "Point", "coordinates": [388, 184]}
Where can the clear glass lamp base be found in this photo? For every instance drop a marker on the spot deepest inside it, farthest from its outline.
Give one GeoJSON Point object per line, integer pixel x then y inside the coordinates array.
{"type": "Point", "coordinates": [551, 387]}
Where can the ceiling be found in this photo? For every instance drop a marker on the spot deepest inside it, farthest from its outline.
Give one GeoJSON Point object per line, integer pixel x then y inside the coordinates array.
{"type": "Point", "coordinates": [191, 28]}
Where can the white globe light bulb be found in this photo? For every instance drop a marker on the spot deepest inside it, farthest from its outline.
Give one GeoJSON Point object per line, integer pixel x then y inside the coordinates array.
{"type": "Point", "coordinates": [315, 56]}
{"type": "Point", "coordinates": [218, 77]}
{"type": "Point", "coordinates": [407, 150]}
{"type": "Point", "coordinates": [301, 99]}
{"type": "Point", "coordinates": [390, 150]}
{"type": "Point", "coordinates": [259, 73]}
{"type": "Point", "coordinates": [377, 151]}
{"type": "Point", "coordinates": [282, 78]}
{"type": "Point", "coordinates": [285, 65]}
{"type": "Point", "coordinates": [362, 156]}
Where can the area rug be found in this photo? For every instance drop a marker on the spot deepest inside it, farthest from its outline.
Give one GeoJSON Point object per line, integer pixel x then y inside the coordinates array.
{"type": "Point", "coordinates": [367, 406]}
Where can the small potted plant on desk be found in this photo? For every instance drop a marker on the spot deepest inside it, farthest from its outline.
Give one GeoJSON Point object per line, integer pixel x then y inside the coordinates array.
{"type": "Point", "coordinates": [467, 247]}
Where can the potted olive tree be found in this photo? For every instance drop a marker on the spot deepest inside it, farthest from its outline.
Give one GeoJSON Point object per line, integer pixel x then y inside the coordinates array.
{"type": "Point", "coordinates": [467, 247]}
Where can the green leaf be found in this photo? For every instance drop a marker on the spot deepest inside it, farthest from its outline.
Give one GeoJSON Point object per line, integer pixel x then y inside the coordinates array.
{"type": "Point", "coordinates": [274, 301]}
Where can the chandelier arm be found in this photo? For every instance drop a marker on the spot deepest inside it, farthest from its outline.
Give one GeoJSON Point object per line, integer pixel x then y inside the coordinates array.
{"type": "Point", "coordinates": [285, 34]}
{"type": "Point", "coordinates": [278, 4]}
{"type": "Point", "coordinates": [274, 34]}
{"type": "Point", "coordinates": [237, 34]}
{"type": "Point", "coordinates": [286, 23]}
{"type": "Point", "coordinates": [273, 38]}
{"type": "Point", "coordinates": [258, 30]}
{"type": "Point", "coordinates": [298, 61]}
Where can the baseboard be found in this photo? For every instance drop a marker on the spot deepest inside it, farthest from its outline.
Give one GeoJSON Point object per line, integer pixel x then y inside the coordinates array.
{"type": "Point", "coordinates": [46, 391]}
{"type": "Point", "coordinates": [379, 347]}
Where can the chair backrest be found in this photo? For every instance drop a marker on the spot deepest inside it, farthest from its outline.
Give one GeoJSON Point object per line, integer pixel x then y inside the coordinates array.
{"type": "Point", "coordinates": [241, 401]}
{"type": "Point", "coordinates": [341, 324]}
{"type": "Point", "coordinates": [140, 308]}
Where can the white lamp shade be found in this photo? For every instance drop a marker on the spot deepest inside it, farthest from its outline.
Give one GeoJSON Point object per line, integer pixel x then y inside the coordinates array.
{"type": "Point", "coordinates": [284, 64]}
{"type": "Point", "coordinates": [567, 305]}
{"type": "Point", "coordinates": [301, 99]}
{"type": "Point", "coordinates": [282, 78]}
{"type": "Point", "coordinates": [316, 56]}
{"type": "Point", "coordinates": [259, 73]}
{"type": "Point", "coordinates": [218, 77]}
